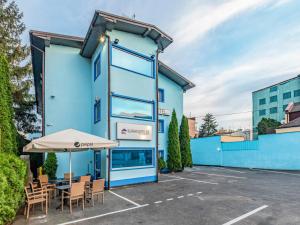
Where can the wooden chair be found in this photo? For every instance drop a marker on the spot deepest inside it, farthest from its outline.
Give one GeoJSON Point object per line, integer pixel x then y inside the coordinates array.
{"type": "Point", "coordinates": [67, 176]}
{"type": "Point", "coordinates": [97, 190]}
{"type": "Point", "coordinates": [51, 188]}
{"type": "Point", "coordinates": [76, 193]}
{"type": "Point", "coordinates": [87, 182]}
{"type": "Point", "coordinates": [33, 197]}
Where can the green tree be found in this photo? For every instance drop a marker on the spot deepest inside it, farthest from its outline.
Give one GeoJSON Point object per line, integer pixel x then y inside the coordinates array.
{"type": "Point", "coordinates": [185, 148]}
{"type": "Point", "coordinates": [267, 126]}
{"type": "Point", "coordinates": [50, 165]}
{"type": "Point", "coordinates": [8, 134]}
{"type": "Point", "coordinates": [209, 126]}
{"type": "Point", "coordinates": [11, 29]}
{"type": "Point", "coordinates": [174, 157]}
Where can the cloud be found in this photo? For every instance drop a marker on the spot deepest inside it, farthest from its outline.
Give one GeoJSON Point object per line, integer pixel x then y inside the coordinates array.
{"type": "Point", "coordinates": [204, 18]}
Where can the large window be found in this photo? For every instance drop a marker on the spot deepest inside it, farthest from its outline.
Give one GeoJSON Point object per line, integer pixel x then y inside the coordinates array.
{"type": "Point", "coordinates": [132, 158]}
{"type": "Point", "coordinates": [161, 126]}
{"type": "Point", "coordinates": [132, 61]}
{"type": "Point", "coordinates": [297, 93]}
{"type": "Point", "coordinates": [97, 67]}
{"type": "Point", "coordinates": [262, 112]}
{"type": "Point", "coordinates": [273, 89]}
{"type": "Point", "coordinates": [132, 108]}
{"type": "Point", "coordinates": [273, 98]}
{"type": "Point", "coordinates": [161, 95]}
{"type": "Point", "coordinates": [287, 95]}
{"type": "Point", "coordinates": [262, 101]}
{"type": "Point", "coordinates": [97, 111]}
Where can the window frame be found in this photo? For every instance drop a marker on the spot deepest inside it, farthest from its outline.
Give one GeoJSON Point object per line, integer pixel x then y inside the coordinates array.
{"type": "Point", "coordinates": [260, 101]}
{"type": "Point", "coordinates": [98, 59]}
{"type": "Point", "coordinates": [96, 104]}
{"type": "Point", "coordinates": [286, 93]}
{"type": "Point", "coordinates": [262, 110]}
{"type": "Point", "coordinates": [272, 97]}
{"type": "Point", "coordinates": [132, 99]}
{"type": "Point", "coordinates": [162, 121]}
{"type": "Point", "coordinates": [274, 88]}
{"type": "Point", "coordinates": [161, 95]}
{"type": "Point", "coordinates": [298, 93]}
{"type": "Point", "coordinates": [136, 54]}
{"type": "Point", "coordinates": [134, 167]}
{"type": "Point", "coordinates": [273, 108]}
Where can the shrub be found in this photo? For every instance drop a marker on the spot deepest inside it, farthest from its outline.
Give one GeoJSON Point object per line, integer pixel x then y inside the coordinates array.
{"type": "Point", "coordinates": [185, 148]}
{"type": "Point", "coordinates": [50, 165]}
{"type": "Point", "coordinates": [13, 175]}
{"type": "Point", "coordinates": [174, 157]}
{"type": "Point", "coordinates": [161, 163]}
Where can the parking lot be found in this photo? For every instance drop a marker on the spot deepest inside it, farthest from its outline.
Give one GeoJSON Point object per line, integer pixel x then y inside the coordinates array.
{"type": "Point", "coordinates": [202, 195]}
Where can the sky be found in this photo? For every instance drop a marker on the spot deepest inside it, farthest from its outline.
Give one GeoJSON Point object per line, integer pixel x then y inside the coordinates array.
{"type": "Point", "coordinates": [228, 48]}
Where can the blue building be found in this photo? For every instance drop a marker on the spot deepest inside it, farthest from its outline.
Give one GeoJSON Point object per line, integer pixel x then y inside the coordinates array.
{"type": "Point", "coordinates": [271, 101]}
{"type": "Point", "coordinates": [110, 84]}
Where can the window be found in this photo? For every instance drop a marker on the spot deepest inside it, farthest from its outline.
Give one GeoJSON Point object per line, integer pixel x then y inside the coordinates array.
{"type": "Point", "coordinates": [161, 95]}
{"type": "Point", "coordinates": [161, 154]}
{"type": "Point", "coordinates": [273, 98]}
{"type": "Point", "coordinates": [97, 111]}
{"type": "Point", "coordinates": [129, 158]}
{"type": "Point", "coordinates": [132, 108]}
{"type": "Point", "coordinates": [262, 112]}
{"type": "Point", "coordinates": [132, 61]}
{"type": "Point", "coordinates": [297, 93]}
{"type": "Point", "coordinates": [262, 101]}
{"type": "Point", "coordinates": [284, 107]}
{"type": "Point", "coordinates": [97, 67]}
{"type": "Point", "coordinates": [161, 127]}
{"type": "Point", "coordinates": [273, 110]}
{"type": "Point", "coordinates": [287, 95]}
{"type": "Point", "coordinates": [273, 89]}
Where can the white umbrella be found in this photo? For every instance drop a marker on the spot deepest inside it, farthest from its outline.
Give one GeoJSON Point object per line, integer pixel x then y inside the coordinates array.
{"type": "Point", "coordinates": [71, 140]}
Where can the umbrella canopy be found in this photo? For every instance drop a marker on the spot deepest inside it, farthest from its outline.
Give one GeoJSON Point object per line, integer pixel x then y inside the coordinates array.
{"type": "Point", "coordinates": [69, 139]}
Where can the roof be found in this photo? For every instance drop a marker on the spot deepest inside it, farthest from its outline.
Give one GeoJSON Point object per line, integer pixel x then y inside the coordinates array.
{"type": "Point", "coordinates": [293, 123]}
{"type": "Point", "coordinates": [295, 107]}
{"type": "Point", "coordinates": [103, 21]}
{"type": "Point", "coordinates": [282, 82]}
{"type": "Point", "coordinates": [174, 76]}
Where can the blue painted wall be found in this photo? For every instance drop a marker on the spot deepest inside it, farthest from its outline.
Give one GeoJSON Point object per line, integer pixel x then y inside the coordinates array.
{"type": "Point", "coordinates": [67, 101]}
{"type": "Point", "coordinates": [275, 151]}
{"type": "Point", "coordinates": [173, 100]}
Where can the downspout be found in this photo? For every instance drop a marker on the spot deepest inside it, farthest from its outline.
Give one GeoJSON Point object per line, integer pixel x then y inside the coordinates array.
{"type": "Point", "coordinates": [43, 87]}
{"type": "Point", "coordinates": [108, 109]}
{"type": "Point", "coordinates": [157, 153]}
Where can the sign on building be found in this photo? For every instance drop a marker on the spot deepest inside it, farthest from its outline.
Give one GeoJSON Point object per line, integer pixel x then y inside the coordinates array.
{"type": "Point", "coordinates": [130, 131]}
{"type": "Point", "coordinates": [164, 112]}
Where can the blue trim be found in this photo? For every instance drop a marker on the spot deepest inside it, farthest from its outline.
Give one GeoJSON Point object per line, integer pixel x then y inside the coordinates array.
{"type": "Point", "coordinates": [115, 183]}
{"type": "Point", "coordinates": [98, 103]}
{"type": "Point", "coordinates": [95, 64]}
{"type": "Point", "coordinates": [138, 167]}
{"type": "Point", "coordinates": [161, 95]}
{"type": "Point", "coordinates": [162, 126]}
{"type": "Point", "coordinates": [137, 54]}
{"type": "Point", "coordinates": [133, 99]}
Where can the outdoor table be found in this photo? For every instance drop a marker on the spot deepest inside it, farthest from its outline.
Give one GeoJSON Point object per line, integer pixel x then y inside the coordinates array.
{"type": "Point", "coordinates": [62, 188]}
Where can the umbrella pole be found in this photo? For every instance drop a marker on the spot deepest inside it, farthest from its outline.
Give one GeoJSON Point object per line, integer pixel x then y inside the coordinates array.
{"type": "Point", "coordinates": [70, 165]}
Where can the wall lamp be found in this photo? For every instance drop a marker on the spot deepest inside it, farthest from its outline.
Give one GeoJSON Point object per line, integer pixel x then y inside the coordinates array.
{"type": "Point", "coordinates": [102, 39]}
{"type": "Point", "coordinates": [116, 41]}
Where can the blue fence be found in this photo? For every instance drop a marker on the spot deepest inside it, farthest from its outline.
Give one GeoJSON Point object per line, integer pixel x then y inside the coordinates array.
{"type": "Point", "coordinates": [274, 151]}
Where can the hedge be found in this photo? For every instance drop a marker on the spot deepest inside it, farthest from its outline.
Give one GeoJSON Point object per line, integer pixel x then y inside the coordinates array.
{"type": "Point", "coordinates": [13, 174]}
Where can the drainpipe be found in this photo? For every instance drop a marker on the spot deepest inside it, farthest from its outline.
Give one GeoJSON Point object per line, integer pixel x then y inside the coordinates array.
{"type": "Point", "coordinates": [156, 89]}
{"type": "Point", "coordinates": [43, 87]}
{"type": "Point", "coordinates": [108, 109]}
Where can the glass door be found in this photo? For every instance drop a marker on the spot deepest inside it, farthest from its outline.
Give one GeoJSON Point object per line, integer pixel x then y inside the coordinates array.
{"type": "Point", "coordinates": [97, 162]}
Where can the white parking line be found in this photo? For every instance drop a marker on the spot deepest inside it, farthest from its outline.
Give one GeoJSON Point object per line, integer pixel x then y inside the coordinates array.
{"type": "Point", "coordinates": [272, 171]}
{"type": "Point", "coordinates": [190, 194]}
{"type": "Point", "coordinates": [162, 181]}
{"type": "Point", "coordinates": [220, 175]}
{"type": "Point", "coordinates": [245, 215]}
{"type": "Point", "coordinates": [181, 196]}
{"type": "Point", "coordinates": [126, 199]}
{"type": "Point", "coordinates": [223, 168]}
{"type": "Point", "coordinates": [170, 199]}
{"type": "Point", "coordinates": [158, 202]}
{"type": "Point", "coordinates": [102, 215]}
{"type": "Point", "coordinates": [199, 192]}
{"type": "Point", "coordinates": [183, 178]}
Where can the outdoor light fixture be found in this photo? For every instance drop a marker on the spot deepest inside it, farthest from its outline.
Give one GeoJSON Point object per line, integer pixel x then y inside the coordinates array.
{"type": "Point", "coordinates": [116, 41]}
{"type": "Point", "coordinates": [102, 38]}
{"type": "Point", "coordinates": [152, 56]}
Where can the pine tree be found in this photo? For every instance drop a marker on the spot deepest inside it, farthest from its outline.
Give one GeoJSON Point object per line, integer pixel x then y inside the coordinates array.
{"type": "Point", "coordinates": [11, 28]}
{"type": "Point", "coordinates": [174, 157]}
{"type": "Point", "coordinates": [50, 165]}
{"type": "Point", "coordinates": [8, 132]}
{"type": "Point", "coordinates": [209, 126]}
{"type": "Point", "coordinates": [185, 148]}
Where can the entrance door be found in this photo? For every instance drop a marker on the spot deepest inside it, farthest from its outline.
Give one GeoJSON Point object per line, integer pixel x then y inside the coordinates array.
{"type": "Point", "coordinates": [97, 161]}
